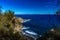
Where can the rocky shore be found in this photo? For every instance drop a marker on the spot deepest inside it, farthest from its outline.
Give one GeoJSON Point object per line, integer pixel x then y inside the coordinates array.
{"type": "Point", "coordinates": [11, 27]}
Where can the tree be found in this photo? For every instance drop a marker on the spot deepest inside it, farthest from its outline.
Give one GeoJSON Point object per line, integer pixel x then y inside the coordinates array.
{"type": "Point", "coordinates": [55, 34]}
{"type": "Point", "coordinates": [58, 2]}
{"type": "Point", "coordinates": [0, 10]}
{"type": "Point", "coordinates": [7, 28]}
{"type": "Point", "coordinates": [58, 12]}
{"type": "Point", "coordinates": [58, 17]}
{"type": "Point", "coordinates": [9, 14]}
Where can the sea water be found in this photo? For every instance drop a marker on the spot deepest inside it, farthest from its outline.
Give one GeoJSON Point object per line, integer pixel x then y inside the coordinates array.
{"type": "Point", "coordinates": [38, 24]}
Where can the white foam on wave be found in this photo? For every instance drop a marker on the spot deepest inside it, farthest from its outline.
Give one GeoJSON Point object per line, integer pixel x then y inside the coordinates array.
{"type": "Point", "coordinates": [25, 28]}
{"type": "Point", "coordinates": [27, 20]}
{"type": "Point", "coordinates": [31, 32]}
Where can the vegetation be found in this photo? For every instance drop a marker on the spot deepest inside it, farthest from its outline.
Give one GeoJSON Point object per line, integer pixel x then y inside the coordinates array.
{"type": "Point", "coordinates": [58, 2]}
{"type": "Point", "coordinates": [7, 25]}
{"type": "Point", "coordinates": [53, 34]}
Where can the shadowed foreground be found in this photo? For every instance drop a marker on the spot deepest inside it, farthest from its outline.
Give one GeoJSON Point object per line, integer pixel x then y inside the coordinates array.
{"type": "Point", "coordinates": [10, 26]}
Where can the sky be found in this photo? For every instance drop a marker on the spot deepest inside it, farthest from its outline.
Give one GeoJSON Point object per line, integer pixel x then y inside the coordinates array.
{"type": "Point", "coordinates": [30, 6]}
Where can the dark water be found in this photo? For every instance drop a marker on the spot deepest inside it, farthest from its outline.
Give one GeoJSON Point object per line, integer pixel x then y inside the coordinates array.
{"type": "Point", "coordinates": [40, 23]}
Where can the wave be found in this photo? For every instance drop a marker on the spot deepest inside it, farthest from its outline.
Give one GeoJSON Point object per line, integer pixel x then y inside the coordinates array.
{"type": "Point", "coordinates": [25, 28]}
{"type": "Point", "coordinates": [26, 20]}
{"type": "Point", "coordinates": [30, 32]}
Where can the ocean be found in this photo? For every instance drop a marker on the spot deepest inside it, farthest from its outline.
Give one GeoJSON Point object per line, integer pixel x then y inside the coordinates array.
{"type": "Point", "coordinates": [39, 24]}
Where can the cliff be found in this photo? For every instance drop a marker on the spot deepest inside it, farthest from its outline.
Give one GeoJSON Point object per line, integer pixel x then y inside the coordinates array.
{"type": "Point", "coordinates": [10, 26]}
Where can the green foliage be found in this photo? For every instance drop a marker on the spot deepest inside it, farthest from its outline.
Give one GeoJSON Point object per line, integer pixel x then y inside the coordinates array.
{"type": "Point", "coordinates": [7, 27]}
{"type": "Point", "coordinates": [9, 14]}
{"type": "Point", "coordinates": [58, 12]}
{"type": "Point", "coordinates": [51, 35]}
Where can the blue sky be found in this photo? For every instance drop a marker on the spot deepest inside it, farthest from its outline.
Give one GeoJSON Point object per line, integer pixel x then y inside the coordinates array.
{"type": "Point", "coordinates": [30, 6]}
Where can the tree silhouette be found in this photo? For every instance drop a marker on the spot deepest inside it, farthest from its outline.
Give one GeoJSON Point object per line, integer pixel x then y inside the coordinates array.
{"type": "Point", "coordinates": [58, 2]}
{"type": "Point", "coordinates": [0, 9]}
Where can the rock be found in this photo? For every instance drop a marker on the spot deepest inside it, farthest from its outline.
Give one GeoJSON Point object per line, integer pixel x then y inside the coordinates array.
{"type": "Point", "coordinates": [19, 20]}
